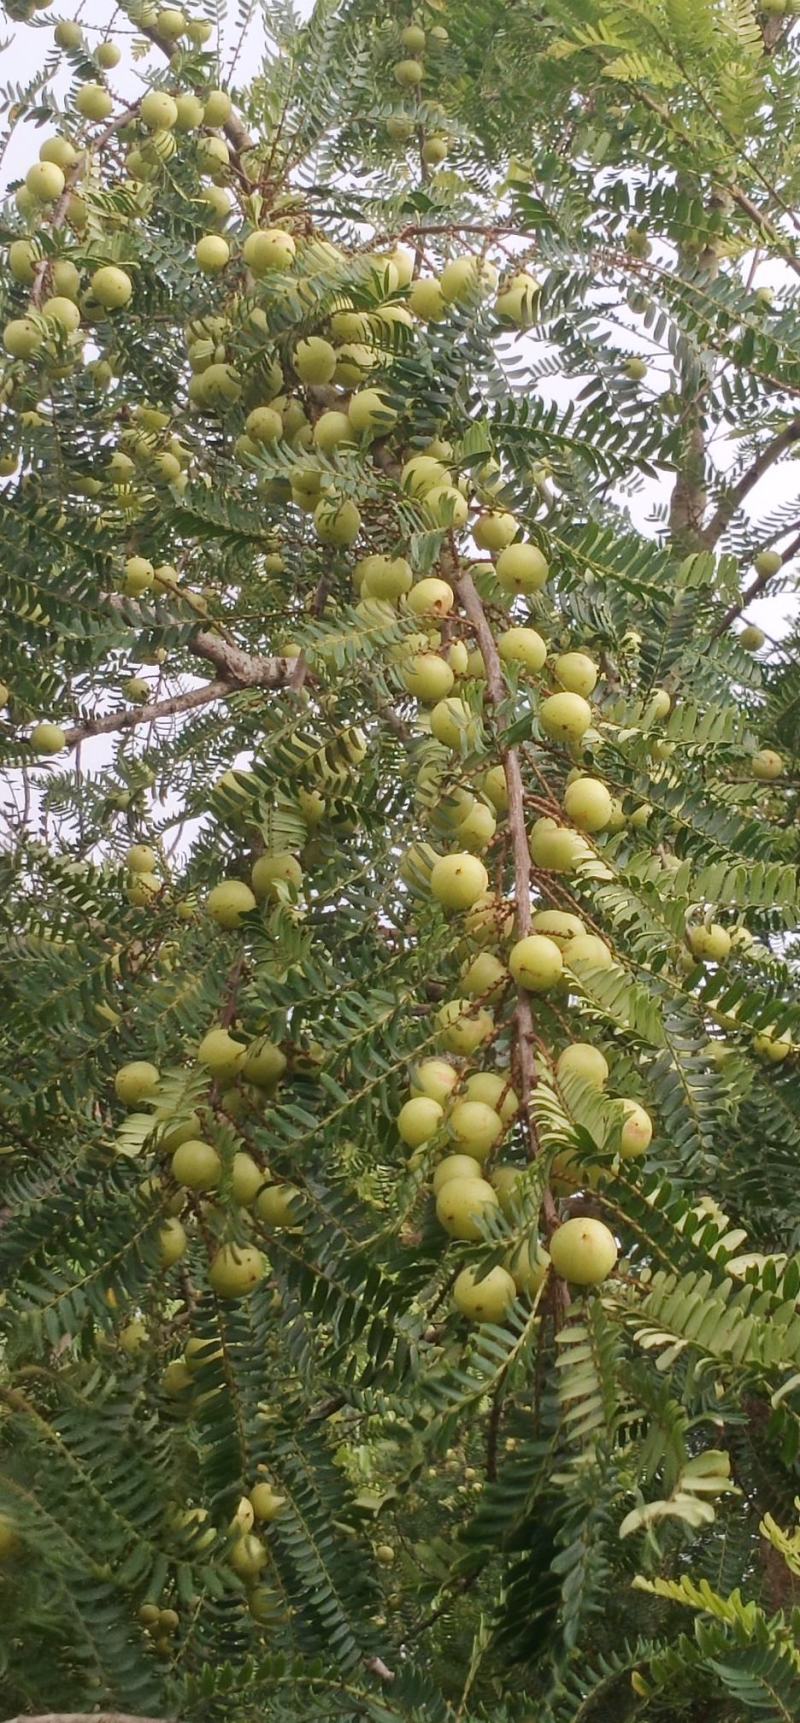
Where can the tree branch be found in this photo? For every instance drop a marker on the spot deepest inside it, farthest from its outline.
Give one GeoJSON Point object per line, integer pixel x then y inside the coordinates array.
{"type": "Point", "coordinates": [239, 669]}
{"type": "Point", "coordinates": [771, 453]}
{"type": "Point", "coordinates": [132, 716]}
{"type": "Point", "coordinates": [754, 590]}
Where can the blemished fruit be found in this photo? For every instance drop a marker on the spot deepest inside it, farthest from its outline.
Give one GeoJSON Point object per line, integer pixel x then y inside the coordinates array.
{"type": "Point", "coordinates": [710, 943]}
{"type": "Point", "coordinates": [229, 901]}
{"type": "Point", "coordinates": [236, 1270]}
{"type": "Point", "coordinates": [485, 1300]}
{"type": "Point", "coordinates": [419, 1119]}
{"type": "Point", "coordinates": [581, 1059]}
{"type": "Point", "coordinates": [767, 765]}
{"type": "Point", "coordinates": [520, 645]}
{"type": "Point", "coordinates": [136, 1082]}
{"type": "Point", "coordinates": [431, 597]}
{"type": "Point", "coordinates": [588, 804]}
{"type": "Point", "coordinates": [435, 1078]}
{"type": "Point", "coordinates": [535, 963]}
{"type": "Point", "coordinates": [462, 1204]}
{"type": "Point", "coordinates": [197, 1166]}
{"type": "Point", "coordinates": [455, 1167]}
{"type": "Point", "coordinates": [576, 672]}
{"type": "Point", "coordinates": [141, 859]}
{"type": "Point", "coordinates": [767, 563]}
{"type": "Point", "coordinates": [463, 1026]}
{"type": "Point", "coordinates": [588, 949]}
{"type": "Point", "coordinates": [519, 567]}
{"type": "Point", "coordinates": [558, 924]}
{"type": "Point", "coordinates": [637, 1131]}
{"type": "Point", "coordinates": [248, 1554]}
{"type": "Point", "coordinates": [457, 881]}
{"type": "Point", "coordinates": [475, 1128]}
{"type": "Point", "coordinates": [48, 739]}
{"type": "Point", "coordinates": [565, 717]}
{"type": "Point", "coordinates": [583, 1251]}
{"type": "Point", "coordinates": [219, 1052]}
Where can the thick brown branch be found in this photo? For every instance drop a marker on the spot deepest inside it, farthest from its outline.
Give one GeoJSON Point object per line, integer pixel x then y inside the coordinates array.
{"type": "Point", "coordinates": [771, 453]}
{"type": "Point", "coordinates": [132, 716]}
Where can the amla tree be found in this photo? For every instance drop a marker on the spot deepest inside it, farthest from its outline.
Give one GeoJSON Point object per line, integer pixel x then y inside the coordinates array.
{"type": "Point", "coordinates": [400, 1104]}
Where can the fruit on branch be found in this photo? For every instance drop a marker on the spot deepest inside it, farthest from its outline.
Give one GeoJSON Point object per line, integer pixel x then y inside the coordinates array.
{"type": "Point", "coordinates": [94, 102]}
{"type": "Point", "coordinates": [767, 765]}
{"type": "Point", "coordinates": [637, 1131]}
{"type": "Point", "coordinates": [555, 847]}
{"type": "Point", "coordinates": [583, 1251]}
{"type": "Point", "coordinates": [767, 563]}
{"type": "Point", "coordinates": [248, 1554]}
{"type": "Point", "coordinates": [455, 1167]}
{"type": "Point", "coordinates": [457, 881]}
{"type": "Point", "coordinates": [495, 787]}
{"type": "Point", "coordinates": [427, 300]}
{"type": "Point", "coordinates": [111, 287]}
{"type": "Point", "coordinates": [408, 73]}
{"type": "Point", "coordinates": [462, 1204]}
{"type": "Point", "coordinates": [236, 1270]}
{"type": "Point", "coordinates": [521, 645]}
{"type": "Point", "coordinates": [495, 531]}
{"type": "Point", "coordinates": [428, 677]}
{"type": "Point", "coordinates": [270, 873]}
{"type": "Point", "coordinates": [558, 924]}
{"type": "Point", "coordinates": [465, 276]}
{"type": "Point", "coordinates": [518, 300]}
{"type": "Point", "coordinates": [535, 963]}
{"type": "Point", "coordinates": [475, 1128]}
{"type": "Point", "coordinates": [142, 888]}
{"type": "Point", "coordinates": [265, 1502]}
{"type": "Point", "coordinates": [48, 739]}
{"type": "Point", "coordinates": [136, 689]}
{"type": "Point", "coordinates": [275, 1205]}
{"type": "Point", "coordinates": [369, 412]}
{"type": "Point", "coordinates": [751, 638]}
{"type": "Point", "coordinates": [635, 370]}
{"type": "Point", "coordinates": [576, 672]}
{"type": "Point", "coordinates": [172, 1242]}
{"type": "Point", "coordinates": [135, 1082]}
{"type": "Point", "coordinates": [158, 111]}
{"type": "Point", "coordinates": [45, 181]}
{"type": "Point", "coordinates": [212, 253]}
{"type": "Point", "coordinates": [588, 804]}
{"type": "Point", "coordinates": [431, 597]}
{"type": "Point", "coordinates": [486, 1300]}
{"type": "Point", "coordinates": [264, 1064]}
{"type": "Point", "coordinates": [565, 717]}
{"type": "Point", "coordinates": [21, 337]}
{"type": "Point", "coordinates": [771, 1047]}
{"type": "Point", "coordinates": [419, 1119]}
{"type": "Point", "coordinates": [269, 248]}
{"type": "Point", "coordinates": [434, 1078]}
{"type": "Point", "coordinates": [528, 1265]}
{"type": "Point", "coordinates": [141, 858]}
{"type": "Point", "coordinates": [452, 722]}
{"type": "Point", "coordinates": [220, 1053]}
{"type": "Point", "coordinates": [583, 1060]}
{"type": "Point", "coordinates": [337, 524]}
{"type": "Point", "coordinates": [463, 1026]}
{"type": "Point", "coordinates": [314, 360]}
{"type": "Point", "coordinates": [197, 1166]}
{"type": "Point", "coordinates": [521, 568]}
{"type": "Point", "coordinates": [589, 950]}
{"type": "Point", "coordinates": [709, 942]}
{"type": "Point", "coordinates": [483, 977]}
{"type": "Point", "coordinates": [229, 901]}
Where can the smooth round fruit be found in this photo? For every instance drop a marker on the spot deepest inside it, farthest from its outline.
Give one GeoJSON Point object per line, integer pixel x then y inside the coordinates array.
{"type": "Point", "coordinates": [315, 360]}
{"type": "Point", "coordinates": [521, 568]}
{"type": "Point", "coordinates": [275, 1205]}
{"type": "Point", "coordinates": [767, 563]}
{"type": "Point", "coordinates": [141, 859]}
{"type": "Point", "coordinates": [219, 1052]}
{"type": "Point", "coordinates": [197, 1166]}
{"type": "Point", "coordinates": [337, 524]}
{"type": "Point", "coordinates": [270, 248]}
{"type": "Point", "coordinates": [535, 963]}
{"type": "Point", "coordinates": [45, 181]}
{"type": "Point", "coordinates": [528, 1265]}
{"type": "Point", "coordinates": [558, 924]}
{"type": "Point", "coordinates": [94, 102]}
{"type": "Point", "coordinates": [771, 1047]}
{"type": "Point", "coordinates": [387, 577]}
{"type": "Point", "coordinates": [431, 597]}
{"type": "Point", "coordinates": [48, 739]}
{"type": "Point", "coordinates": [265, 1502]}
{"type": "Point", "coordinates": [463, 1026]}
{"type": "Point", "coordinates": [455, 1167]}
{"type": "Point", "coordinates": [495, 1091]}
{"type": "Point", "coordinates": [659, 704]}
{"type": "Point", "coordinates": [586, 948]}
{"type": "Point", "coordinates": [247, 1178]}
{"type": "Point", "coordinates": [465, 276]}
{"type": "Point", "coordinates": [111, 287]}
{"type": "Point", "coordinates": [583, 1251]}
{"type": "Point", "coordinates": [142, 888]}
{"type": "Point", "coordinates": [576, 672]}
{"type": "Point", "coordinates": [190, 111]}
{"type": "Point", "coordinates": [483, 977]}
{"type": "Point", "coordinates": [583, 1060]}
{"type": "Point", "coordinates": [370, 412]}
{"type": "Point", "coordinates": [711, 944]}
{"type": "Point", "coordinates": [435, 1078]}
{"type": "Point", "coordinates": [495, 531]}
{"type": "Point", "coordinates": [495, 787]}
{"type": "Point", "coordinates": [462, 1204]}
{"type": "Point", "coordinates": [135, 1082]}
{"type": "Point", "coordinates": [264, 425]}
{"type": "Point", "coordinates": [751, 638]}
{"type": "Point", "coordinates": [565, 717]}
{"type": "Point", "coordinates": [637, 1131]}
{"type": "Point", "coordinates": [767, 765]}
{"type": "Point", "coordinates": [518, 302]}
{"type": "Point", "coordinates": [427, 301]}
{"type": "Point", "coordinates": [588, 804]}
{"type": "Point", "coordinates": [218, 107]}
{"type": "Point", "coordinates": [457, 881]}
{"type": "Point", "coordinates": [133, 1337]}
{"type": "Point", "coordinates": [21, 337]}
{"type": "Point", "coordinates": [235, 1270]}
{"type": "Point", "coordinates": [212, 253]}
{"type": "Point", "coordinates": [428, 677]}
{"type": "Point", "coordinates": [158, 111]}
{"type": "Point", "coordinates": [452, 722]}
{"type": "Point", "coordinates": [418, 1120]}
{"type": "Point", "coordinates": [635, 370]}
{"type": "Point", "coordinates": [486, 1300]}
{"type": "Point", "coordinates": [271, 872]}
{"type": "Point", "coordinates": [107, 55]}
{"type": "Point", "coordinates": [264, 1064]}
{"type": "Point", "coordinates": [248, 1554]}
{"type": "Point", "coordinates": [68, 34]}
{"type": "Point", "coordinates": [136, 689]}
{"type": "Point", "coordinates": [139, 575]}
{"type": "Point", "coordinates": [172, 1242]}
{"type": "Point", "coordinates": [407, 73]}
{"type": "Point", "coordinates": [521, 645]}
{"type": "Point", "coordinates": [475, 1128]}
{"type": "Point", "coordinates": [229, 901]}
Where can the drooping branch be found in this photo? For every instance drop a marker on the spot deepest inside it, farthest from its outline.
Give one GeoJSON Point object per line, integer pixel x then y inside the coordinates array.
{"type": "Point", "coordinates": [239, 669]}
{"type": "Point", "coordinates": [734, 498]}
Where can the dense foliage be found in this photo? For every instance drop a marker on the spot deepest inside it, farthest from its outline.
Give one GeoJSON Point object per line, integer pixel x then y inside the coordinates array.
{"type": "Point", "coordinates": [393, 773]}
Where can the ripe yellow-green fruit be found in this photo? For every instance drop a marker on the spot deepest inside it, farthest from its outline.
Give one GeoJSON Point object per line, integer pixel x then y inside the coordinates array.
{"type": "Point", "coordinates": [269, 248]}
{"type": "Point", "coordinates": [659, 703]}
{"type": "Point", "coordinates": [369, 411]}
{"type": "Point", "coordinates": [751, 638]}
{"type": "Point", "coordinates": [767, 562]}
{"type": "Point", "coordinates": [455, 1167]}
{"type": "Point", "coordinates": [521, 568]}
{"type": "Point", "coordinates": [275, 1205]}
{"type": "Point", "coordinates": [181, 1132]}
{"type": "Point", "coordinates": [463, 1026]}
{"type": "Point", "coordinates": [457, 881]}
{"type": "Point", "coordinates": [63, 311]}
{"type": "Point", "coordinates": [337, 524]}
{"type": "Point", "coordinates": [554, 847]}
{"type": "Point", "coordinates": [133, 1337]}
{"type": "Point", "coordinates": [386, 577]}
{"type": "Point", "coordinates": [408, 73]}
{"type": "Point", "coordinates": [139, 575]}
{"type": "Point", "coordinates": [111, 287]}
{"type": "Point", "coordinates": [452, 722]}
{"type": "Point", "coordinates": [588, 804]}
{"type": "Point", "coordinates": [435, 1078]}
{"type": "Point", "coordinates": [767, 765]}
{"type": "Point", "coordinates": [21, 337]}
{"type": "Point", "coordinates": [248, 1554]}
{"type": "Point", "coordinates": [464, 277]}
{"type": "Point", "coordinates": [419, 1119]}
{"type": "Point", "coordinates": [771, 1047]}
{"type": "Point", "coordinates": [528, 1265]}
{"type": "Point", "coordinates": [520, 645]}
{"type": "Point", "coordinates": [272, 872]}
{"type": "Point", "coordinates": [22, 261]}
{"type": "Point", "coordinates": [434, 152]}
{"type": "Point", "coordinates": [107, 55]}
{"type": "Point", "coordinates": [490, 920]}
{"type": "Point", "coordinates": [217, 108]}
{"type": "Point", "coordinates": [496, 788]}
{"type": "Point", "coordinates": [583, 1251]}
{"type": "Point", "coordinates": [229, 901]}
{"type": "Point", "coordinates": [478, 826]}
{"type": "Point", "coordinates": [45, 181]}
{"type": "Point", "coordinates": [172, 1242]}
{"type": "Point", "coordinates": [315, 360]}
{"type": "Point", "coordinates": [219, 1052]}
{"type": "Point", "coordinates": [331, 429]}
{"type": "Point", "coordinates": [637, 1131]}
{"type": "Point", "coordinates": [576, 672]}
{"type": "Point", "coordinates": [421, 474]}
{"type": "Point", "coordinates": [264, 425]}
{"type": "Point", "coordinates": [48, 739]}
{"type": "Point", "coordinates": [588, 949]}
{"type": "Point", "coordinates": [495, 531]}
{"type": "Point", "coordinates": [264, 1064]}
{"type": "Point", "coordinates": [143, 887]}
{"type": "Point", "coordinates": [446, 506]}
{"type": "Point", "coordinates": [428, 677]}
{"type": "Point", "coordinates": [484, 977]}
{"type": "Point", "coordinates": [135, 1081]}
{"type": "Point", "coordinates": [635, 369]}
{"type": "Point", "coordinates": [535, 963]}
{"type": "Point", "coordinates": [190, 111]}
{"type": "Point", "coordinates": [583, 1060]}
{"type": "Point", "coordinates": [212, 253]}
{"type": "Point", "coordinates": [462, 1205]}
{"type": "Point", "coordinates": [475, 1128]}
{"type": "Point", "coordinates": [494, 1090]}
{"type": "Point", "coordinates": [94, 102]}
{"type": "Point", "coordinates": [136, 689]}
{"type": "Point", "coordinates": [197, 1166]}
{"type": "Point", "coordinates": [5, 694]}
{"type": "Point", "coordinates": [711, 944]}
{"type": "Point", "coordinates": [518, 300]}
{"type": "Point", "coordinates": [68, 34]}
{"type": "Point", "coordinates": [486, 1300]}
{"type": "Point", "coordinates": [265, 1502]}
{"type": "Point", "coordinates": [565, 717]}
{"type": "Point", "coordinates": [235, 1270]}
{"type": "Point", "coordinates": [158, 111]}
{"type": "Point", "coordinates": [65, 278]}
{"type": "Point", "coordinates": [427, 301]}
{"type": "Point", "coordinates": [246, 1178]}
{"type": "Point", "coordinates": [431, 597]}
